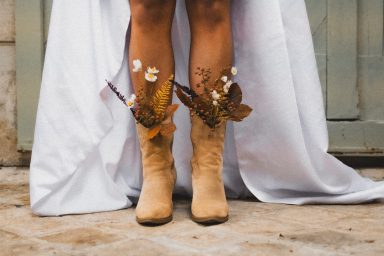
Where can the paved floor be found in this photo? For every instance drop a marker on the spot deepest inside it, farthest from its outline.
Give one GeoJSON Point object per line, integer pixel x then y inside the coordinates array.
{"type": "Point", "coordinates": [254, 228]}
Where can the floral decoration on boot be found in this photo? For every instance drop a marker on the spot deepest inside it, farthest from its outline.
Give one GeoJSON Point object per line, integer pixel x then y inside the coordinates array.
{"type": "Point", "coordinates": [219, 102]}
{"type": "Point", "coordinates": [151, 108]}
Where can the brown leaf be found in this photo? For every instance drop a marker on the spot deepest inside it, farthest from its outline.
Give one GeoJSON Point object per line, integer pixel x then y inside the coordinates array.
{"type": "Point", "coordinates": [144, 116]}
{"type": "Point", "coordinates": [235, 94]}
{"type": "Point", "coordinates": [186, 90]}
{"type": "Point", "coordinates": [154, 131]}
{"type": "Point", "coordinates": [201, 108]}
{"type": "Point", "coordinates": [202, 102]}
{"type": "Point", "coordinates": [183, 98]}
{"type": "Point", "coordinates": [167, 129]}
{"type": "Point", "coordinates": [240, 113]}
{"type": "Point", "coordinates": [171, 109]}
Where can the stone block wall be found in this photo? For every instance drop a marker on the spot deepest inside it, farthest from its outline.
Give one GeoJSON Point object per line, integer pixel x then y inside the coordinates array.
{"type": "Point", "coordinates": [9, 156]}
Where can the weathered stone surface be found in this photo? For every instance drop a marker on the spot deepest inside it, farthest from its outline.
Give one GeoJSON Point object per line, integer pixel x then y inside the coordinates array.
{"type": "Point", "coordinates": [254, 228]}
{"type": "Point", "coordinates": [7, 20]}
{"type": "Point", "coordinates": [8, 133]}
{"type": "Point", "coordinates": [374, 174]}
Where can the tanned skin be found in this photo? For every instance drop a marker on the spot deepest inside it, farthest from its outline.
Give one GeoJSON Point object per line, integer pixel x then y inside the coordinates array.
{"type": "Point", "coordinates": [150, 39]}
{"type": "Point", "coordinates": [211, 38]}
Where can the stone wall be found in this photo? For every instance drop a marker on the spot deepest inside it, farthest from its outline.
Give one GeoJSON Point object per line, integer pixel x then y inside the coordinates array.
{"type": "Point", "coordinates": [8, 133]}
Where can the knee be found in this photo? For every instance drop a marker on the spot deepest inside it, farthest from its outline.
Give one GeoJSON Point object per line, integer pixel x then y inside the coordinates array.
{"type": "Point", "coordinates": [147, 13]}
{"type": "Point", "coordinates": [211, 13]}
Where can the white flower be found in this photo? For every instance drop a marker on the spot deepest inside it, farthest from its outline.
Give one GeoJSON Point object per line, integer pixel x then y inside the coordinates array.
{"type": "Point", "coordinates": [234, 71]}
{"type": "Point", "coordinates": [215, 103]}
{"type": "Point", "coordinates": [224, 79]}
{"type": "Point", "coordinates": [137, 66]}
{"type": "Point", "coordinates": [227, 86]}
{"type": "Point", "coordinates": [150, 77]}
{"type": "Point", "coordinates": [131, 101]}
{"type": "Point", "coordinates": [153, 70]}
{"type": "Point", "coordinates": [215, 95]}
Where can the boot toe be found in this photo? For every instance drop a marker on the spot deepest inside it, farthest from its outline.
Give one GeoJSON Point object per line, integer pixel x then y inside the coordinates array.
{"type": "Point", "coordinates": [155, 214]}
{"type": "Point", "coordinates": [210, 212]}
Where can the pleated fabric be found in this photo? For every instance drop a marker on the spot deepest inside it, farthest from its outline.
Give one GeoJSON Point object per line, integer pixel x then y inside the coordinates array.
{"type": "Point", "coordinates": [86, 155]}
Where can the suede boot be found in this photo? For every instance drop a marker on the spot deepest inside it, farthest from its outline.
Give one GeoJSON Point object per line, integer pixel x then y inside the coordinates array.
{"type": "Point", "coordinates": [209, 204]}
{"type": "Point", "coordinates": [155, 203]}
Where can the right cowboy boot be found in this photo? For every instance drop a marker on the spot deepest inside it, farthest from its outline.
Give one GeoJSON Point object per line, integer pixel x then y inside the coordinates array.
{"type": "Point", "coordinates": [155, 202]}
{"type": "Point", "coordinates": [210, 110]}
{"type": "Point", "coordinates": [209, 203]}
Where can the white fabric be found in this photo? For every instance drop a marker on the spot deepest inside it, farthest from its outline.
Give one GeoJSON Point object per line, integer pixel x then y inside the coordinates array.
{"type": "Point", "coordinates": [86, 156]}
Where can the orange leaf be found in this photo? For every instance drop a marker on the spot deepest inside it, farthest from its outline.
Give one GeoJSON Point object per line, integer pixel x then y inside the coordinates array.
{"type": "Point", "coordinates": [154, 131]}
{"type": "Point", "coordinates": [167, 129]}
{"type": "Point", "coordinates": [170, 110]}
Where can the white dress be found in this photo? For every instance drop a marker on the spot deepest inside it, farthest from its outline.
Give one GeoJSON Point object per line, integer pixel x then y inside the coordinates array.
{"type": "Point", "coordinates": [86, 156]}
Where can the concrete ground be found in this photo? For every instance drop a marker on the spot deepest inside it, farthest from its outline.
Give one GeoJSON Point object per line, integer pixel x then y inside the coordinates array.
{"type": "Point", "coordinates": [254, 228]}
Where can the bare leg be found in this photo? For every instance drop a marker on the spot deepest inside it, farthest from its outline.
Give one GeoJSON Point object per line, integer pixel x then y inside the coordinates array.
{"type": "Point", "coordinates": [151, 43]}
{"type": "Point", "coordinates": [150, 39]}
{"type": "Point", "coordinates": [211, 37]}
{"type": "Point", "coordinates": [211, 46]}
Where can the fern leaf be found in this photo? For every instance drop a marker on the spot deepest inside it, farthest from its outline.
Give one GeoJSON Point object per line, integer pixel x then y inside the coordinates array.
{"type": "Point", "coordinates": [162, 97]}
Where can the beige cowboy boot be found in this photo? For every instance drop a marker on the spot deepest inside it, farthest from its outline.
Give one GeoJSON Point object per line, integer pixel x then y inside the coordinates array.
{"type": "Point", "coordinates": [155, 203]}
{"type": "Point", "coordinates": [209, 204]}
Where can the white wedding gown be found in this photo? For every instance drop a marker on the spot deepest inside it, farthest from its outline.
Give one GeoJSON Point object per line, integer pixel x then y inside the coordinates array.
{"type": "Point", "coordinates": [86, 155]}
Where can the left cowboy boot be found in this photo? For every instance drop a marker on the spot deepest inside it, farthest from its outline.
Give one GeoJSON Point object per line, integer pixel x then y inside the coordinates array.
{"type": "Point", "coordinates": [153, 112]}
{"type": "Point", "coordinates": [155, 203]}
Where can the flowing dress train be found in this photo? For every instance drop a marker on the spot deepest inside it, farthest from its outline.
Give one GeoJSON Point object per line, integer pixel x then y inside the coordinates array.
{"type": "Point", "coordinates": [86, 155]}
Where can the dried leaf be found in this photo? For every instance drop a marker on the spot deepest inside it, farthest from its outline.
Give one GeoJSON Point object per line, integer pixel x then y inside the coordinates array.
{"type": "Point", "coordinates": [167, 129]}
{"type": "Point", "coordinates": [171, 109]}
{"type": "Point", "coordinates": [154, 131]}
{"type": "Point", "coordinates": [183, 97]}
{"type": "Point", "coordinates": [162, 97]}
{"type": "Point", "coordinates": [145, 116]}
{"type": "Point", "coordinates": [240, 113]}
{"type": "Point", "coordinates": [201, 107]}
{"type": "Point", "coordinates": [235, 94]}
{"type": "Point", "coordinates": [133, 110]}
{"type": "Point", "coordinates": [190, 92]}
{"type": "Point", "coordinates": [204, 102]}
{"type": "Point", "coordinates": [228, 107]}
